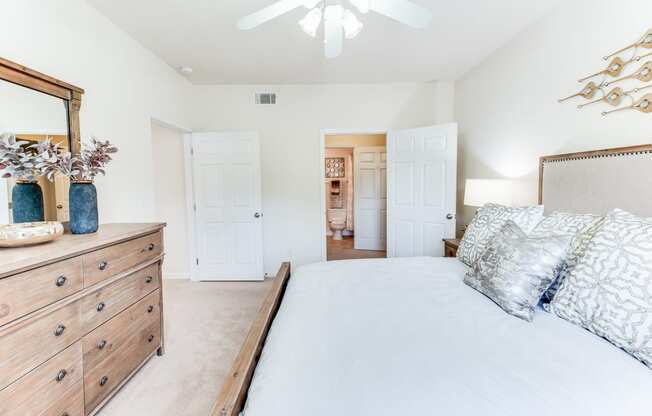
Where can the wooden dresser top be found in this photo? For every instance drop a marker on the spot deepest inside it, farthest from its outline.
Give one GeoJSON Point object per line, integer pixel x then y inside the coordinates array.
{"type": "Point", "coordinates": [16, 260]}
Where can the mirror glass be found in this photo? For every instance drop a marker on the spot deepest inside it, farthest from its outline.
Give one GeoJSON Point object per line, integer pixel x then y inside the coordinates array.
{"type": "Point", "coordinates": [34, 116]}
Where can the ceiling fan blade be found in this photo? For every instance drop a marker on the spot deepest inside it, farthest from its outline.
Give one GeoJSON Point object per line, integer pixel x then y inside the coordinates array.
{"type": "Point", "coordinates": [334, 32]}
{"type": "Point", "coordinates": [268, 13]}
{"type": "Point", "coordinates": [403, 11]}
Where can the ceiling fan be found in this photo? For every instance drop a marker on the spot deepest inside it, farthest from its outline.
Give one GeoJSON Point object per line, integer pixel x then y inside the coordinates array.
{"type": "Point", "coordinates": [339, 22]}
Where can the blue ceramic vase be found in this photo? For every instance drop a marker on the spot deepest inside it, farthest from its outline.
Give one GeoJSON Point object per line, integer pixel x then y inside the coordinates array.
{"type": "Point", "coordinates": [27, 202]}
{"type": "Point", "coordinates": [83, 208]}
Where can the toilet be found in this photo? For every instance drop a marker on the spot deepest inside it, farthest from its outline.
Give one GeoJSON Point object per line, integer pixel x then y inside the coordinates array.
{"type": "Point", "coordinates": [337, 222]}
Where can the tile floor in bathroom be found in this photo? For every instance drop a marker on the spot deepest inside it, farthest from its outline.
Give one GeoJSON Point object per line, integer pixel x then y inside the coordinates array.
{"type": "Point", "coordinates": [343, 250]}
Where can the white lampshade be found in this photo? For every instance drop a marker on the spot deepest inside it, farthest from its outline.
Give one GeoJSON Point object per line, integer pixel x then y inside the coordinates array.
{"type": "Point", "coordinates": [311, 22]}
{"type": "Point", "coordinates": [352, 26]}
{"type": "Point", "coordinates": [479, 192]}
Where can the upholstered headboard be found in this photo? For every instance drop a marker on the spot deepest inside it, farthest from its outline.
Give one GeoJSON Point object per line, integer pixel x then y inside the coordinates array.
{"type": "Point", "coordinates": [597, 181]}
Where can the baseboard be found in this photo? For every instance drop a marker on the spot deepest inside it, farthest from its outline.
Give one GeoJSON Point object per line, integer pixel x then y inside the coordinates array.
{"type": "Point", "coordinates": [176, 276]}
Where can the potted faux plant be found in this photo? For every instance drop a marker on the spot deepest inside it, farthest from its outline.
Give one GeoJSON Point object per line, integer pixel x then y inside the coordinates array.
{"type": "Point", "coordinates": [18, 161]}
{"type": "Point", "coordinates": [82, 170]}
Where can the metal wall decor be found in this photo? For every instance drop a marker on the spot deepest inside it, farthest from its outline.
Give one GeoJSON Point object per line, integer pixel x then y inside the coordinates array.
{"type": "Point", "coordinates": [615, 70]}
{"type": "Point", "coordinates": [335, 167]}
{"type": "Point", "coordinates": [587, 92]}
{"type": "Point", "coordinates": [644, 105]}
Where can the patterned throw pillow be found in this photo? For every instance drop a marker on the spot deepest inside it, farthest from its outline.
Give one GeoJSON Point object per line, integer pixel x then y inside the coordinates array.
{"type": "Point", "coordinates": [580, 226]}
{"type": "Point", "coordinates": [488, 221]}
{"type": "Point", "coordinates": [516, 270]}
{"type": "Point", "coordinates": [609, 291]}
{"type": "Point", "coordinates": [564, 223]}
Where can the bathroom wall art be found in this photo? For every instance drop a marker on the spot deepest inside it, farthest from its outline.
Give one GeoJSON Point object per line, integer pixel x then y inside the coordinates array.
{"type": "Point", "coordinates": [618, 71]}
{"type": "Point", "coordinates": [335, 167]}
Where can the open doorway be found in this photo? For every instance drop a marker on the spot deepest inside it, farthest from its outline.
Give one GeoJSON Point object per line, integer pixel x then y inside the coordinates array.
{"type": "Point", "coordinates": [355, 195]}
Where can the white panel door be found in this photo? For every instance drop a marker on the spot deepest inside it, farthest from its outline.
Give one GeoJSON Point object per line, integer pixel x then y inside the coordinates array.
{"type": "Point", "coordinates": [370, 193]}
{"type": "Point", "coordinates": [228, 218]}
{"type": "Point", "coordinates": [422, 190]}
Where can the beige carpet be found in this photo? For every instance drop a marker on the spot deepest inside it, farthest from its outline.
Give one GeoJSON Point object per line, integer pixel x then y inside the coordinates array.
{"type": "Point", "coordinates": [205, 325]}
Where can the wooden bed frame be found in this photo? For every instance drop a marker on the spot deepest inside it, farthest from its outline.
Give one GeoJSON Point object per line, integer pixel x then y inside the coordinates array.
{"type": "Point", "coordinates": [233, 395]}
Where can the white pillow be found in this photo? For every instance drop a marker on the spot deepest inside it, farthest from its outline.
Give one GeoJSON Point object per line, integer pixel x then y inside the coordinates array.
{"type": "Point", "coordinates": [609, 291]}
{"type": "Point", "coordinates": [488, 221]}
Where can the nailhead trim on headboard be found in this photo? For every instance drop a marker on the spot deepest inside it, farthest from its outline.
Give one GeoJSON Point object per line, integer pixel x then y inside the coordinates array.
{"type": "Point", "coordinates": [596, 156]}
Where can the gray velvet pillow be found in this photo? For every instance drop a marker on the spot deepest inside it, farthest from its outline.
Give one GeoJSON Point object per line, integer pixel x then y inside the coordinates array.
{"type": "Point", "coordinates": [488, 221]}
{"type": "Point", "coordinates": [516, 270]}
{"type": "Point", "coordinates": [580, 226]}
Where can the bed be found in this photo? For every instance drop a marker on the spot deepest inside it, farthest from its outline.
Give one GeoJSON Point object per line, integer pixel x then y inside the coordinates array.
{"type": "Point", "coordinates": [407, 336]}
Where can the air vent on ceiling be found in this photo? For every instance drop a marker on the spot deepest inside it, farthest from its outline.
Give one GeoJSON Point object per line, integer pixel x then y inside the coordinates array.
{"type": "Point", "coordinates": [266, 98]}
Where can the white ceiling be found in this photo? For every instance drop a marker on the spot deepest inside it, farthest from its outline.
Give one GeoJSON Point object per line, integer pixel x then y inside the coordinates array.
{"type": "Point", "coordinates": [202, 34]}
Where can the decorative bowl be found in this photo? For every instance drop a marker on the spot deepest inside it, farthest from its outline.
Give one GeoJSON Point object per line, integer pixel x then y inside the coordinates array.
{"type": "Point", "coordinates": [29, 233]}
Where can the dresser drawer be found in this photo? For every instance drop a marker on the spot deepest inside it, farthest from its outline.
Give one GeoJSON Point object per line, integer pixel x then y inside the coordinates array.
{"type": "Point", "coordinates": [28, 344]}
{"type": "Point", "coordinates": [32, 290]}
{"type": "Point", "coordinates": [53, 389]}
{"type": "Point", "coordinates": [102, 264]}
{"type": "Point", "coordinates": [114, 335]}
{"type": "Point", "coordinates": [102, 379]}
{"type": "Point", "coordinates": [103, 304]}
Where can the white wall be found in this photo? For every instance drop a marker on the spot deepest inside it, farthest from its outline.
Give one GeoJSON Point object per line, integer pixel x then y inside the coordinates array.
{"type": "Point", "coordinates": [169, 197]}
{"type": "Point", "coordinates": [507, 106]}
{"type": "Point", "coordinates": [290, 139]}
{"type": "Point", "coordinates": [125, 86]}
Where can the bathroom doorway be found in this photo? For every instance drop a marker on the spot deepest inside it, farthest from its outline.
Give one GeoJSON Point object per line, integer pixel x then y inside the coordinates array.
{"type": "Point", "coordinates": [355, 195]}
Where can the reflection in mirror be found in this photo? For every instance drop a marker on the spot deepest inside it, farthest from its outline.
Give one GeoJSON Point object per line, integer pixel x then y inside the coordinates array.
{"type": "Point", "coordinates": [33, 117]}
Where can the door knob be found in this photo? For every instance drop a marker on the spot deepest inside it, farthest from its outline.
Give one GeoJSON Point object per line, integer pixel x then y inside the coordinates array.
{"type": "Point", "coordinates": [59, 206]}
{"type": "Point", "coordinates": [450, 216]}
{"type": "Point", "coordinates": [258, 215]}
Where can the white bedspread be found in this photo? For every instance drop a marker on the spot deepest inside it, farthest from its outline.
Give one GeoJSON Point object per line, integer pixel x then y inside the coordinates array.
{"type": "Point", "coordinates": [407, 337]}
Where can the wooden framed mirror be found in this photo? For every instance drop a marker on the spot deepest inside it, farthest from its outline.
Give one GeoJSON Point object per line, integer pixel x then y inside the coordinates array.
{"type": "Point", "coordinates": [35, 107]}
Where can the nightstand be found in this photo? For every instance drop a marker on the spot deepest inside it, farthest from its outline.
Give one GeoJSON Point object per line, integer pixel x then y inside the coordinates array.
{"type": "Point", "coordinates": [450, 247]}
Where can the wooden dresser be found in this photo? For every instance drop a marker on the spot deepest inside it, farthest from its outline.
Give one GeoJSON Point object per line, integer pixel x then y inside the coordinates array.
{"type": "Point", "coordinates": [78, 317]}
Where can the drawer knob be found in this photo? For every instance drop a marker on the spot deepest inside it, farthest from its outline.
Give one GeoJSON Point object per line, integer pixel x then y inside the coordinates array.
{"type": "Point", "coordinates": [150, 247]}
{"type": "Point", "coordinates": [61, 280]}
{"type": "Point", "coordinates": [61, 375]}
{"type": "Point", "coordinates": [100, 306]}
{"type": "Point", "coordinates": [149, 279]}
{"type": "Point", "coordinates": [65, 414]}
{"type": "Point", "coordinates": [103, 265]}
{"type": "Point", "coordinates": [104, 380]}
{"type": "Point", "coordinates": [101, 344]}
{"type": "Point", "coordinates": [150, 309]}
{"type": "Point", "coordinates": [59, 331]}
{"type": "Point", "coordinates": [151, 338]}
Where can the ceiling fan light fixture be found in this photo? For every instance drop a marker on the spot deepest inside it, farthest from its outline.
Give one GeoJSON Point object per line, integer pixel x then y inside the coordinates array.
{"type": "Point", "coordinates": [311, 22]}
{"type": "Point", "coordinates": [352, 26]}
{"type": "Point", "coordinates": [361, 5]}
